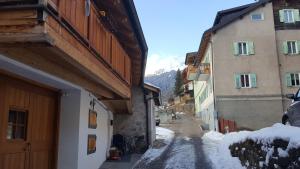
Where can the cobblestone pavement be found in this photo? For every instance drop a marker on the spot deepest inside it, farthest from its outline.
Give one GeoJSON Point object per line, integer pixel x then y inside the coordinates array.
{"type": "Point", "coordinates": [185, 151]}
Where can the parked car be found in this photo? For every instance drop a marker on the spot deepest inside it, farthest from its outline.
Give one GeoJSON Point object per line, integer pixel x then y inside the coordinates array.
{"type": "Point", "coordinates": [157, 121]}
{"type": "Point", "coordinates": [292, 114]}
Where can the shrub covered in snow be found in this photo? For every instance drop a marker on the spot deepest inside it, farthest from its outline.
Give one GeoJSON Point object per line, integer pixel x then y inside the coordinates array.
{"type": "Point", "coordinates": [273, 147]}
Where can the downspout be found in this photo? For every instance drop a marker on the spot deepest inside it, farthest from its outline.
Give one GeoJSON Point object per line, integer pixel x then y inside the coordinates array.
{"type": "Point", "coordinates": [213, 80]}
{"type": "Point", "coordinates": [147, 116]}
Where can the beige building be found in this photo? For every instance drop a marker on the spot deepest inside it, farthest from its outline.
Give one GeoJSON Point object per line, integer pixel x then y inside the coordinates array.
{"type": "Point", "coordinates": [254, 57]}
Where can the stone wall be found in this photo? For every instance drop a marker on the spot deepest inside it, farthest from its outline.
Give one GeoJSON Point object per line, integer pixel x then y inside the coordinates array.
{"type": "Point", "coordinates": [254, 155]}
{"type": "Point", "coordinates": [133, 126]}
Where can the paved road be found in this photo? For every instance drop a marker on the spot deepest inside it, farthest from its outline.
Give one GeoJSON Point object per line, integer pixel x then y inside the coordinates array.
{"type": "Point", "coordinates": [185, 151]}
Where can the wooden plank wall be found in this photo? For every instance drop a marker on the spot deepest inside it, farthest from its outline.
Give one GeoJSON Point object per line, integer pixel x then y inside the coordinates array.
{"type": "Point", "coordinates": [99, 38]}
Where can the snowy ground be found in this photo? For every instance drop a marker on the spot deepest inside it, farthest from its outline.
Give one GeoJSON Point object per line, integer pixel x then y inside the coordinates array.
{"type": "Point", "coordinates": [216, 145]}
{"type": "Point", "coordinates": [183, 151]}
{"type": "Point", "coordinates": [164, 136]}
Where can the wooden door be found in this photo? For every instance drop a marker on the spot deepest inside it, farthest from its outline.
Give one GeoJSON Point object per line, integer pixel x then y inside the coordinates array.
{"type": "Point", "coordinates": [28, 132]}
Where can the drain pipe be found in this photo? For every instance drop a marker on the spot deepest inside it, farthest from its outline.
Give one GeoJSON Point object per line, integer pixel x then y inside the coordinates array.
{"type": "Point", "coordinates": [147, 116]}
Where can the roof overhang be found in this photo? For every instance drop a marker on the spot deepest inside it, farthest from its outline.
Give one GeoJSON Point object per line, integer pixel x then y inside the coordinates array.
{"type": "Point", "coordinates": [122, 18]}
{"type": "Point", "coordinates": [155, 92]}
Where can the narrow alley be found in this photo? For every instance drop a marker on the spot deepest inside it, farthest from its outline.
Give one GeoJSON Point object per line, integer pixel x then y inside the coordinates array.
{"type": "Point", "coordinates": [185, 150]}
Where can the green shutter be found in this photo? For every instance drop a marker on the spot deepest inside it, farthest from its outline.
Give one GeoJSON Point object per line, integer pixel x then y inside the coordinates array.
{"type": "Point", "coordinates": [281, 15]}
{"type": "Point", "coordinates": [285, 48]}
{"type": "Point", "coordinates": [296, 15]}
{"type": "Point", "coordinates": [253, 80]}
{"type": "Point", "coordinates": [298, 47]}
{"type": "Point", "coordinates": [288, 79]}
{"type": "Point", "coordinates": [235, 48]}
{"type": "Point", "coordinates": [250, 46]}
{"type": "Point", "coordinates": [237, 78]}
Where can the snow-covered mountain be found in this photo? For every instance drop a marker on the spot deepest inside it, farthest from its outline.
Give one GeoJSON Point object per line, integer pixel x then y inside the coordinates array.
{"type": "Point", "coordinates": [165, 81]}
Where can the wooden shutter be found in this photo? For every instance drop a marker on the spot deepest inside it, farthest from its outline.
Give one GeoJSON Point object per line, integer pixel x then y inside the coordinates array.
{"type": "Point", "coordinates": [236, 48]}
{"type": "Point", "coordinates": [285, 48]}
{"type": "Point", "coordinates": [281, 15]}
{"type": "Point", "coordinates": [288, 79]}
{"type": "Point", "coordinates": [250, 46]}
{"type": "Point", "coordinates": [296, 15]}
{"type": "Point", "coordinates": [253, 80]}
{"type": "Point", "coordinates": [237, 78]}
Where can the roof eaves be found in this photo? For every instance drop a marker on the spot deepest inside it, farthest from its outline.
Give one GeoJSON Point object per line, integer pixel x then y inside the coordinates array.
{"type": "Point", "coordinates": [220, 13]}
{"type": "Point", "coordinates": [205, 35]}
{"type": "Point", "coordinates": [246, 11]}
{"type": "Point", "coordinates": [130, 7]}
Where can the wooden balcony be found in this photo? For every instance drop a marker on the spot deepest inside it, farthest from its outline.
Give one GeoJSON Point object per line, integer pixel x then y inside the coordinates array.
{"type": "Point", "coordinates": [192, 72]}
{"type": "Point", "coordinates": [203, 71]}
{"type": "Point", "coordinates": [81, 42]}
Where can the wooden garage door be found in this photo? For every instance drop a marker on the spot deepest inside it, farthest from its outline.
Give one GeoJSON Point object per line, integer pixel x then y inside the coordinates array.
{"type": "Point", "coordinates": [28, 125]}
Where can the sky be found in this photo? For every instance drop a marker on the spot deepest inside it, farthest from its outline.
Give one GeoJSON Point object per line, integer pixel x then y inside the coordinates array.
{"type": "Point", "coordinates": [173, 28]}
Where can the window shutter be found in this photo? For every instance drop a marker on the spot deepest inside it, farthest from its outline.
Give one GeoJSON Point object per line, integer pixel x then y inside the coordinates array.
{"type": "Point", "coordinates": [250, 48]}
{"type": "Point", "coordinates": [298, 47]}
{"type": "Point", "coordinates": [285, 48]}
{"type": "Point", "coordinates": [296, 15]}
{"type": "Point", "coordinates": [281, 15]}
{"type": "Point", "coordinates": [237, 78]}
{"type": "Point", "coordinates": [235, 48]}
{"type": "Point", "coordinates": [253, 80]}
{"type": "Point", "coordinates": [288, 80]}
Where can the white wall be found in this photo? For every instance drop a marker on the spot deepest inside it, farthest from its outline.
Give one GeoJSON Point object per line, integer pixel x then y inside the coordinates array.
{"type": "Point", "coordinates": [74, 131]}
{"type": "Point", "coordinates": [69, 127]}
{"type": "Point", "coordinates": [93, 161]}
{"type": "Point", "coordinates": [151, 119]}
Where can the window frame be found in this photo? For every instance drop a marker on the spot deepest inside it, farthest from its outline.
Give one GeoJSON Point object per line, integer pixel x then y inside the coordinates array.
{"type": "Point", "coordinates": [296, 47]}
{"type": "Point", "coordinates": [295, 80]}
{"type": "Point", "coordinates": [243, 52]}
{"type": "Point", "coordinates": [286, 20]}
{"type": "Point", "coordinates": [259, 13]}
{"type": "Point", "coordinates": [16, 124]}
{"type": "Point", "coordinates": [243, 76]}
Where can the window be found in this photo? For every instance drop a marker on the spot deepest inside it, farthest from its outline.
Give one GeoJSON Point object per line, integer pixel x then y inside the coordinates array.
{"type": "Point", "coordinates": [293, 79]}
{"type": "Point", "coordinates": [17, 125]}
{"type": "Point", "coordinates": [298, 94]}
{"type": "Point", "coordinates": [247, 80]}
{"type": "Point", "coordinates": [289, 15]}
{"type": "Point", "coordinates": [257, 17]}
{"type": "Point", "coordinates": [243, 48]}
{"type": "Point", "coordinates": [291, 47]}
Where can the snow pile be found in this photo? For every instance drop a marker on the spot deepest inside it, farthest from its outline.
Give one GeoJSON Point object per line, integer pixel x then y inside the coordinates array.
{"type": "Point", "coordinates": [165, 134]}
{"type": "Point", "coordinates": [278, 131]}
{"type": "Point", "coordinates": [180, 113]}
{"type": "Point", "coordinates": [216, 145]}
{"type": "Point", "coordinates": [165, 137]}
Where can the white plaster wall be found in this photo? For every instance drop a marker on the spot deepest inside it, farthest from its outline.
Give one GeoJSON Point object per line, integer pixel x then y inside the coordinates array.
{"type": "Point", "coordinates": [151, 119]}
{"type": "Point", "coordinates": [95, 160]}
{"type": "Point", "coordinates": [69, 127]}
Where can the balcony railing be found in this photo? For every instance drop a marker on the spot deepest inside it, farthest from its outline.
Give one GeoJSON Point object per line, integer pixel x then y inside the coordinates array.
{"type": "Point", "coordinates": [89, 29]}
